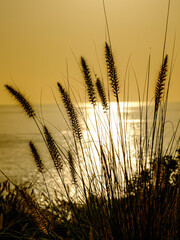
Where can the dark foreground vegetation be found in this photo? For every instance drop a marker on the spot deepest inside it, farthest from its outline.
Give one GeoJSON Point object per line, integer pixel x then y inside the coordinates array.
{"type": "Point", "coordinates": [144, 213]}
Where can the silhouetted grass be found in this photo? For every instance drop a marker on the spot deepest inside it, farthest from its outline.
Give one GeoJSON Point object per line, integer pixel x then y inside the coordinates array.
{"type": "Point", "coordinates": [102, 191]}
{"type": "Point", "coordinates": [115, 200]}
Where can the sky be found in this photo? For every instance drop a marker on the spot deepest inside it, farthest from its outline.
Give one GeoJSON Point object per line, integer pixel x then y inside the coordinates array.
{"type": "Point", "coordinates": [41, 42]}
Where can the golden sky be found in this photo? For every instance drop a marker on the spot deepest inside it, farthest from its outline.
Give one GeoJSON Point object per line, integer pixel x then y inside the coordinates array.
{"type": "Point", "coordinates": [40, 41]}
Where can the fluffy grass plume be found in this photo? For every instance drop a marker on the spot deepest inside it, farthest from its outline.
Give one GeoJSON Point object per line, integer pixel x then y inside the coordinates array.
{"type": "Point", "coordinates": [88, 81]}
{"type": "Point", "coordinates": [111, 69]}
{"type": "Point", "coordinates": [102, 94]}
{"type": "Point", "coordinates": [34, 210]}
{"type": "Point", "coordinates": [21, 100]}
{"type": "Point", "coordinates": [53, 150]}
{"type": "Point", "coordinates": [37, 158]}
{"type": "Point", "coordinates": [70, 111]}
{"type": "Point", "coordinates": [72, 167]}
{"type": "Point", "coordinates": [160, 84]}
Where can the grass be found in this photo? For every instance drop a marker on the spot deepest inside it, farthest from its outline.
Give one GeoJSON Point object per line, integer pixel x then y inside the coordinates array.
{"type": "Point", "coordinates": [103, 192]}
{"type": "Point", "coordinates": [109, 197]}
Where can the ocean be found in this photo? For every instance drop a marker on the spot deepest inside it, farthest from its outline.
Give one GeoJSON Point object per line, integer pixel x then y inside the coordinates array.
{"type": "Point", "coordinates": [16, 130]}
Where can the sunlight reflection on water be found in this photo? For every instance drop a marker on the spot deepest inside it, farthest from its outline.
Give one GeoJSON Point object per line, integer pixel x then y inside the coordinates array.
{"type": "Point", "coordinates": [16, 131]}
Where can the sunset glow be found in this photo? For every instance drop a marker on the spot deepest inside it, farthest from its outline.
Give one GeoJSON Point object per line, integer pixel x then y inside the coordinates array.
{"type": "Point", "coordinates": [39, 40]}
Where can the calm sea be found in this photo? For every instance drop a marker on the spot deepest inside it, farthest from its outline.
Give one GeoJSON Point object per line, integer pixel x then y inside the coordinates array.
{"type": "Point", "coordinates": [16, 130]}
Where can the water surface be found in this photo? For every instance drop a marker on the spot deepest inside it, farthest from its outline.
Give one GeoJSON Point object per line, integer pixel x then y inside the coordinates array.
{"type": "Point", "coordinates": [16, 130]}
